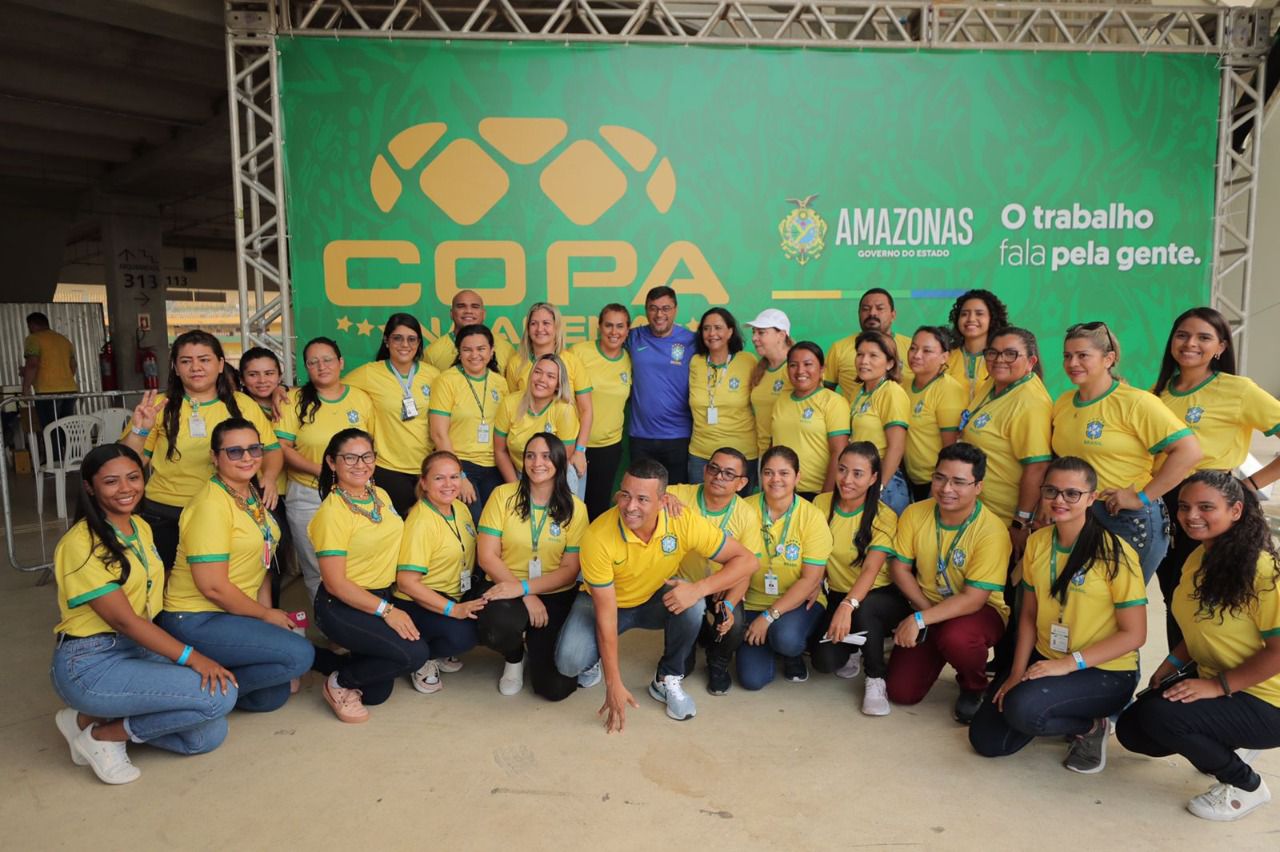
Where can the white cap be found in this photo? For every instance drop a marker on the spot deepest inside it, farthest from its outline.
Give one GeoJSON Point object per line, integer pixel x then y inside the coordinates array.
{"type": "Point", "coordinates": [771, 318]}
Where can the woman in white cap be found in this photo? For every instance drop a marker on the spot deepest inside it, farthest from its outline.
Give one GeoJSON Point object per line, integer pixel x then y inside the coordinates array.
{"type": "Point", "coordinates": [771, 336]}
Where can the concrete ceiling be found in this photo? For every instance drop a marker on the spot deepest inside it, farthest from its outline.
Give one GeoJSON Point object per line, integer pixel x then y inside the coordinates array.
{"type": "Point", "coordinates": [111, 104]}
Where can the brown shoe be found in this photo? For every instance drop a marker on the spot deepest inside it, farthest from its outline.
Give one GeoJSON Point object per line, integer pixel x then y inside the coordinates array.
{"type": "Point", "coordinates": [346, 703]}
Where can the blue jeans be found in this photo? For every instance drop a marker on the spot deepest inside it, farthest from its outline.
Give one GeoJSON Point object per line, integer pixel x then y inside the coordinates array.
{"type": "Point", "coordinates": [378, 654]}
{"type": "Point", "coordinates": [577, 651]}
{"type": "Point", "coordinates": [1146, 530]}
{"type": "Point", "coordinates": [1048, 707]}
{"type": "Point", "coordinates": [263, 657]}
{"type": "Point", "coordinates": [112, 677]}
{"type": "Point", "coordinates": [445, 635]}
{"type": "Point", "coordinates": [896, 493]}
{"type": "Point", "coordinates": [787, 636]}
{"type": "Point", "coordinates": [484, 480]}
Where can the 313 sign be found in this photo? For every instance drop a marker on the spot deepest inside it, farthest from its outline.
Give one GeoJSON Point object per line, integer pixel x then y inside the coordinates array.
{"type": "Point", "coordinates": [142, 280]}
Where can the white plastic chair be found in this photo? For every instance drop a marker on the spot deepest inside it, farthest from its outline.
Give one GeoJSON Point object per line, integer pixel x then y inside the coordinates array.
{"type": "Point", "coordinates": [114, 421]}
{"type": "Point", "coordinates": [78, 433]}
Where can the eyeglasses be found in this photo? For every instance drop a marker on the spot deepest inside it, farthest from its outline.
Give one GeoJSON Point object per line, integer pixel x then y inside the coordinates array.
{"type": "Point", "coordinates": [312, 363]}
{"type": "Point", "coordinates": [1006, 355]}
{"type": "Point", "coordinates": [411, 339]}
{"type": "Point", "coordinates": [353, 459]}
{"type": "Point", "coordinates": [660, 309]}
{"type": "Point", "coordinates": [237, 453]}
{"type": "Point", "coordinates": [1071, 495]}
{"type": "Point", "coordinates": [718, 472]}
{"type": "Point", "coordinates": [941, 481]}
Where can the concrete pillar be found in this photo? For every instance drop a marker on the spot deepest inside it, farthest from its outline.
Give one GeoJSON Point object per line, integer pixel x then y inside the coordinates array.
{"type": "Point", "coordinates": [32, 240]}
{"type": "Point", "coordinates": [135, 294]}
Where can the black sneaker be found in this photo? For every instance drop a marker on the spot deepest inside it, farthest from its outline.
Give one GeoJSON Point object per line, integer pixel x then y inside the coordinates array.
{"type": "Point", "coordinates": [1088, 752]}
{"type": "Point", "coordinates": [718, 680]}
{"type": "Point", "coordinates": [794, 669]}
{"type": "Point", "coordinates": [967, 706]}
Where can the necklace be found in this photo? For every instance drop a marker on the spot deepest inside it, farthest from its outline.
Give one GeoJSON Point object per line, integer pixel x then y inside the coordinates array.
{"type": "Point", "coordinates": [374, 515]}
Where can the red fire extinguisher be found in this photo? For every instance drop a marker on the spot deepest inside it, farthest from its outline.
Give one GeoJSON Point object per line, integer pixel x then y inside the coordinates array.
{"type": "Point", "coordinates": [150, 369]}
{"type": "Point", "coordinates": [107, 367]}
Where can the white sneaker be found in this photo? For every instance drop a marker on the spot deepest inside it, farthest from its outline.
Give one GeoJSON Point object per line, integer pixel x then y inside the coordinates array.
{"type": "Point", "coordinates": [449, 665]}
{"type": "Point", "coordinates": [671, 693]}
{"type": "Point", "coordinates": [109, 761]}
{"type": "Point", "coordinates": [68, 724]}
{"type": "Point", "coordinates": [1224, 803]}
{"type": "Point", "coordinates": [591, 676]}
{"type": "Point", "coordinates": [427, 679]}
{"type": "Point", "coordinates": [512, 680]}
{"type": "Point", "coordinates": [875, 697]}
{"type": "Point", "coordinates": [852, 668]}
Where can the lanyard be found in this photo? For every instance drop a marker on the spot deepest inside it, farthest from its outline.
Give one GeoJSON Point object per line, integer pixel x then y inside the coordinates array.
{"type": "Point", "coordinates": [1053, 574]}
{"type": "Point", "coordinates": [478, 397]}
{"type": "Point", "coordinates": [944, 582]}
{"type": "Point", "coordinates": [451, 521]}
{"type": "Point", "coordinates": [406, 384]}
{"type": "Point", "coordinates": [767, 526]}
{"type": "Point", "coordinates": [260, 519]}
{"type": "Point", "coordinates": [716, 372]}
{"type": "Point", "coordinates": [707, 513]}
{"type": "Point", "coordinates": [992, 396]}
{"type": "Point", "coordinates": [535, 527]}
{"type": "Point", "coordinates": [135, 547]}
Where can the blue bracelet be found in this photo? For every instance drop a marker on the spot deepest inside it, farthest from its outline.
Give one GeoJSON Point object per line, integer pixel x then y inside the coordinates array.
{"type": "Point", "coordinates": [580, 448]}
{"type": "Point", "coordinates": [725, 601]}
{"type": "Point", "coordinates": [920, 619]}
{"type": "Point", "coordinates": [1080, 663]}
{"type": "Point", "coordinates": [448, 607]}
{"type": "Point", "coordinates": [184, 656]}
{"type": "Point", "coordinates": [1146, 501]}
{"type": "Point", "coordinates": [524, 584]}
{"type": "Point", "coordinates": [1175, 662]}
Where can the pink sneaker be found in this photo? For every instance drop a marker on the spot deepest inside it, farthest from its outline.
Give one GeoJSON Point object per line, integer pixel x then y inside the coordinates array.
{"type": "Point", "coordinates": [346, 703]}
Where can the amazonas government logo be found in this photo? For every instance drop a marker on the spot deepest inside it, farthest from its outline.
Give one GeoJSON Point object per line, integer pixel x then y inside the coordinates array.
{"type": "Point", "coordinates": [467, 175]}
{"type": "Point", "coordinates": [803, 232]}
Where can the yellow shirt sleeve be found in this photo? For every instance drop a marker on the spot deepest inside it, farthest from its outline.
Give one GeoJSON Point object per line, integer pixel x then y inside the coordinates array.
{"type": "Point", "coordinates": [82, 575]}
{"type": "Point", "coordinates": [288, 426]}
{"type": "Point", "coordinates": [815, 540]}
{"type": "Point", "coordinates": [952, 401]}
{"type": "Point", "coordinates": [578, 376]}
{"type": "Point", "coordinates": [700, 535]}
{"type": "Point", "coordinates": [988, 569]}
{"type": "Point", "coordinates": [1155, 424]}
{"type": "Point", "coordinates": [596, 557]}
{"type": "Point", "coordinates": [330, 529]}
{"type": "Point", "coordinates": [904, 538]}
{"type": "Point", "coordinates": [204, 529]}
{"type": "Point", "coordinates": [896, 409]}
{"type": "Point", "coordinates": [1128, 588]}
{"type": "Point", "coordinates": [567, 424]}
{"type": "Point", "coordinates": [444, 394]}
{"type": "Point", "coordinates": [1029, 431]}
{"type": "Point", "coordinates": [1262, 409]}
{"type": "Point", "coordinates": [839, 417]}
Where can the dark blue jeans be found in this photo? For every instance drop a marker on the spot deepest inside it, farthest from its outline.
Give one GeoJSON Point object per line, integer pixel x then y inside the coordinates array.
{"type": "Point", "coordinates": [263, 657]}
{"type": "Point", "coordinates": [378, 654]}
{"type": "Point", "coordinates": [577, 651]}
{"type": "Point", "coordinates": [787, 636]}
{"type": "Point", "coordinates": [444, 635]}
{"type": "Point", "coordinates": [1048, 707]}
{"type": "Point", "coordinates": [484, 480]}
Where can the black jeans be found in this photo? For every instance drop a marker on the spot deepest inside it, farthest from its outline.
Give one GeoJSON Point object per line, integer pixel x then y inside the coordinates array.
{"type": "Point", "coordinates": [602, 474]}
{"type": "Point", "coordinates": [283, 551]}
{"type": "Point", "coordinates": [47, 411]}
{"type": "Point", "coordinates": [484, 480]}
{"type": "Point", "coordinates": [504, 627]}
{"type": "Point", "coordinates": [671, 453]}
{"type": "Point", "coordinates": [878, 614]}
{"type": "Point", "coordinates": [921, 491]}
{"type": "Point", "coordinates": [400, 487]}
{"type": "Point", "coordinates": [719, 654]}
{"type": "Point", "coordinates": [164, 529]}
{"type": "Point", "coordinates": [1206, 732]}
{"type": "Point", "coordinates": [1169, 571]}
{"type": "Point", "coordinates": [378, 654]}
{"type": "Point", "coordinates": [1047, 707]}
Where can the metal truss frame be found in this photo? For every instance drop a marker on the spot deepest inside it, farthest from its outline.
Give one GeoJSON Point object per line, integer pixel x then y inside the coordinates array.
{"type": "Point", "coordinates": [1239, 36]}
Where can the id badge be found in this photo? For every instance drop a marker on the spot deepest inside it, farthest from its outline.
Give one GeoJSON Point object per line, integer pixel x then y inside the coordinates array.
{"type": "Point", "coordinates": [771, 583]}
{"type": "Point", "coordinates": [1059, 638]}
{"type": "Point", "coordinates": [408, 408]}
{"type": "Point", "coordinates": [535, 568]}
{"type": "Point", "coordinates": [465, 582]}
{"type": "Point", "coordinates": [198, 429]}
{"type": "Point", "coordinates": [713, 415]}
{"type": "Point", "coordinates": [482, 433]}
{"type": "Point", "coordinates": [266, 554]}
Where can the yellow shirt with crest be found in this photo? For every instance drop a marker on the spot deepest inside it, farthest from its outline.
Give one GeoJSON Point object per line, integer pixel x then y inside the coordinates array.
{"type": "Point", "coordinates": [935, 408]}
{"type": "Point", "coordinates": [439, 548]}
{"type": "Point", "coordinates": [518, 425]}
{"type": "Point", "coordinates": [468, 402]}
{"type": "Point", "coordinates": [976, 555]}
{"type": "Point", "coordinates": [774, 384]}
{"type": "Point", "coordinates": [1013, 428]}
{"type": "Point", "coordinates": [500, 520]}
{"type": "Point", "coordinates": [969, 370]}
{"type": "Point", "coordinates": [796, 539]}
{"type": "Point", "coordinates": [740, 520]}
{"type": "Point", "coordinates": [610, 380]}
{"type": "Point", "coordinates": [613, 555]}
{"type": "Point", "coordinates": [883, 407]}
{"type": "Point", "coordinates": [83, 575]}
{"type": "Point", "coordinates": [352, 409]}
{"type": "Point", "coordinates": [370, 548]}
{"type": "Point", "coordinates": [841, 369]}
{"type": "Point", "coordinates": [401, 444]}
{"type": "Point", "coordinates": [728, 388]}
{"type": "Point", "coordinates": [1223, 411]}
{"type": "Point", "coordinates": [806, 424]}
{"type": "Point", "coordinates": [842, 574]}
{"type": "Point", "coordinates": [518, 369]}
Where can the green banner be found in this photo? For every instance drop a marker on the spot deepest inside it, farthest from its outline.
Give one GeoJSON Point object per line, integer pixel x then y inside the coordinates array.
{"type": "Point", "coordinates": [1076, 186]}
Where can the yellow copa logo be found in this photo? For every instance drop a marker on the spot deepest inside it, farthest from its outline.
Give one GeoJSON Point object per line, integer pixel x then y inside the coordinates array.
{"type": "Point", "coordinates": [466, 182]}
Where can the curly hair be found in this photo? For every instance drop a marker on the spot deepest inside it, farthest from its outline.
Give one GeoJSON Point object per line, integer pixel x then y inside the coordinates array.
{"type": "Point", "coordinates": [1227, 579]}
{"type": "Point", "coordinates": [999, 312]}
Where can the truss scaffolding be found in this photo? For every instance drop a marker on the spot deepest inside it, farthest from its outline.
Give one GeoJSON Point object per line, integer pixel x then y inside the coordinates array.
{"type": "Point", "coordinates": [1239, 36]}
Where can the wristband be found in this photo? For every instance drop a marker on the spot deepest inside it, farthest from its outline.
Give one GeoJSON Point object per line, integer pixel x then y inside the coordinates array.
{"type": "Point", "coordinates": [768, 616]}
{"type": "Point", "coordinates": [141, 433]}
{"type": "Point", "coordinates": [726, 603]}
{"type": "Point", "coordinates": [1146, 501]}
{"type": "Point", "coordinates": [920, 619]}
{"type": "Point", "coordinates": [1174, 661]}
{"type": "Point", "coordinates": [579, 448]}
{"type": "Point", "coordinates": [1023, 516]}
{"type": "Point", "coordinates": [524, 584]}
{"type": "Point", "coordinates": [1226, 688]}
{"type": "Point", "coordinates": [1080, 663]}
{"type": "Point", "coordinates": [1249, 479]}
{"type": "Point", "coordinates": [381, 611]}
{"type": "Point", "coordinates": [852, 603]}
{"type": "Point", "coordinates": [448, 607]}
{"type": "Point", "coordinates": [184, 656]}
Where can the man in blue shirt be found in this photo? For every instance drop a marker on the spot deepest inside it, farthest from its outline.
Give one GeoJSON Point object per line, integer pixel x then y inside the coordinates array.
{"type": "Point", "coordinates": [660, 351]}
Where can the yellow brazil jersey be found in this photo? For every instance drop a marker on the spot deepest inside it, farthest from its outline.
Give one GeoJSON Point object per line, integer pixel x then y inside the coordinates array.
{"type": "Point", "coordinates": [613, 555]}
{"type": "Point", "coordinates": [1092, 598]}
{"type": "Point", "coordinates": [175, 482]}
{"type": "Point", "coordinates": [1221, 642]}
{"type": "Point", "coordinates": [517, 373]}
{"type": "Point", "coordinates": [726, 390]}
{"type": "Point", "coordinates": [56, 372]}
{"type": "Point", "coordinates": [442, 353]}
{"type": "Point", "coordinates": [775, 384]}
{"type": "Point", "coordinates": [740, 519]}
{"type": "Point", "coordinates": [370, 548]}
{"type": "Point", "coordinates": [841, 369]}
{"type": "Point", "coordinates": [352, 409]}
{"type": "Point", "coordinates": [402, 444]}
{"type": "Point", "coordinates": [610, 380]}
{"type": "Point", "coordinates": [1117, 433]}
{"type": "Point", "coordinates": [553, 540]}
{"type": "Point", "coordinates": [83, 575]}
{"type": "Point", "coordinates": [282, 480]}
{"type": "Point", "coordinates": [842, 574]}
{"type": "Point", "coordinates": [1223, 411]}
{"type": "Point", "coordinates": [471, 405]}
{"type": "Point", "coordinates": [935, 408]}
{"type": "Point", "coordinates": [1012, 427]}
{"type": "Point", "coordinates": [798, 538]}
{"type": "Point", "coordinates": [883, 407]}
{"type": "Point", "coordinates": [214, 529]}
{"type": "Point", "coordinates": [975, 552]}
{"type": "Point", "coordinates": [805, 424]}
{"type": "Point", "coordinates": [439, 548]}
{"type": "Point", "coordinates": [968, 369]}
{"type": "Point", "coordinates": [557, 417]}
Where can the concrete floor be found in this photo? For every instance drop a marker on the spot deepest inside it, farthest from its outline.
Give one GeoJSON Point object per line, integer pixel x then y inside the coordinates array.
{"type": "Point", "coordinates": [795, 766]}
